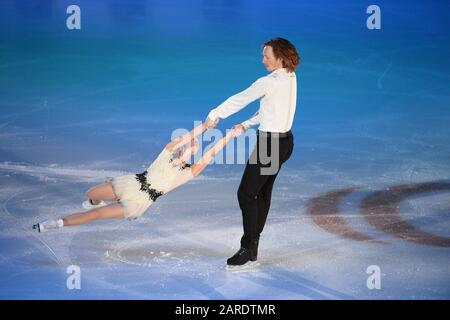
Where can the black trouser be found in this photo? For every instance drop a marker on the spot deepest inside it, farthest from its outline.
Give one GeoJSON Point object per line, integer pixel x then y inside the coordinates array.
{"type": "Point", "coordinates": [255, 189]}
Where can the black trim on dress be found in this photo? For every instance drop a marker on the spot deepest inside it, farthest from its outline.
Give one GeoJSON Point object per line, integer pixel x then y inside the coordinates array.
{"type": "Point", "coordinates": [146, 186]}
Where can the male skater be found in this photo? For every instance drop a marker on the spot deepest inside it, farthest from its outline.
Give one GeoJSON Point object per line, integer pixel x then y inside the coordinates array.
{"type": "Point", "coordinates": [278, 94]}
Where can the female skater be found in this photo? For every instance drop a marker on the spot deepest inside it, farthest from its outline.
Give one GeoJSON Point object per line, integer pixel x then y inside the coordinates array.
{"type": "Point", "coordinates": [134, 193]}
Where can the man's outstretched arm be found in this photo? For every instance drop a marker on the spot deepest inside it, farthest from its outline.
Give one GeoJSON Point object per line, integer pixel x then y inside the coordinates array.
{"type": "Point", "coordinates": [238, 101]}
{"type": "Point", "coordinates": [255, 119]}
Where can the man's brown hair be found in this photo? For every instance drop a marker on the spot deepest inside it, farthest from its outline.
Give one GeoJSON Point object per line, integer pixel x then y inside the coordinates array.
{"type": "Point", "coordinates": [284, 50]}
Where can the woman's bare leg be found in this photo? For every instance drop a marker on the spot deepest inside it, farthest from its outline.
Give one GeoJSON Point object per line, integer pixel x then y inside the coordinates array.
{"type": "Point", "coordinates": [110, 211]}
{"type": "Point", "coordinates": [100, 192]}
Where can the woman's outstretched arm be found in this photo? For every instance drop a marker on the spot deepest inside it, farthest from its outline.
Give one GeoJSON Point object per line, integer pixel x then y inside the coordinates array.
{"type": "Point", "coordinates": [211, 153]}
{"type": "Point", "coordinates": [181, 140]}
{"type": "Point", "coordinates": [190, 151]}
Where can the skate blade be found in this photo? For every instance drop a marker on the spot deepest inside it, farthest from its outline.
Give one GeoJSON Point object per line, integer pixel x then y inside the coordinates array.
{"type": "Point", "coordinates": [249, 266]}
{"type": "Point", "coordinates": [37, 227]}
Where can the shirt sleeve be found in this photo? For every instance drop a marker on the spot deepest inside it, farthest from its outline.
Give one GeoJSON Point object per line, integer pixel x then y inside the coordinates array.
{"type": "Point", "coordinates": [238, 101]}
{"type": "Point", "coordinates": [255, 119]}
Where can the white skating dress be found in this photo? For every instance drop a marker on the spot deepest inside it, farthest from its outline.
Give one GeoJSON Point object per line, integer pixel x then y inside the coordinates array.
{"type": "Point", "coordinates": [136, 192]}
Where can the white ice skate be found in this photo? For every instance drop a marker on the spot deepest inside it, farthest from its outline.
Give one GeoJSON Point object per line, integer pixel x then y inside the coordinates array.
{"type": "Point", "coordinates": [49, 225]}
{"type": "Point", "coordinates": [249, 266]}
{"type": "Point", "coordinates": [88, 204]}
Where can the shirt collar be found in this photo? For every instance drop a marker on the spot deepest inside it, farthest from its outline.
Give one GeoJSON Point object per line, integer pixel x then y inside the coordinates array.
{"type": "Point", "coordinates": [279, 70]}
{"type": "Point", "coordinates": [283, 71]}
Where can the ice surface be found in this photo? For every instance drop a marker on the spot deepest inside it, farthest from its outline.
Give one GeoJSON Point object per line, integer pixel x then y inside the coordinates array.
{"type": "Point", "coordinates": [372, 123]}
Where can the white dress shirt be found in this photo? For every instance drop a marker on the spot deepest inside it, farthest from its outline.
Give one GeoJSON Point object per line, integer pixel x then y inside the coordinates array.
{"type": "Point", "coordinates": [277, 93]}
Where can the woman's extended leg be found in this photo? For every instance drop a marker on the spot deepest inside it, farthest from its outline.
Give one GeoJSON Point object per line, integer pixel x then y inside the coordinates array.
{"type": "Point", "coordinates": [100, 192]}
{"type": "Point", "coordinates": [110, 211]}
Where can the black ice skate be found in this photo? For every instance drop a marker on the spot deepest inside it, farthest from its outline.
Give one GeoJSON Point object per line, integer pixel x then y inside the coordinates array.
{"type": "Point", "coordinates": [244, 259]}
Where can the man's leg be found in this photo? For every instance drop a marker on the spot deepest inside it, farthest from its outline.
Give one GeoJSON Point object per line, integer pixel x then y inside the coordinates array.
{"type": "Point", "coordinates": [250, 187]}
{"type": "Point", "coordinates": [251, 183]}
{"type": "Point", "coordinates": [265, 194]}
{"type": "Point", "coordinates": [264, 200]}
